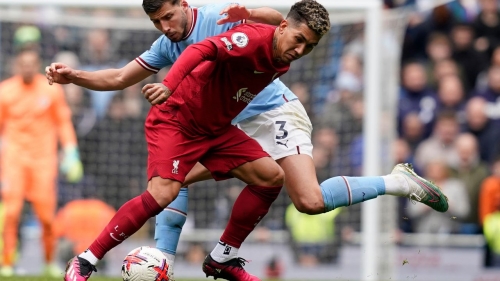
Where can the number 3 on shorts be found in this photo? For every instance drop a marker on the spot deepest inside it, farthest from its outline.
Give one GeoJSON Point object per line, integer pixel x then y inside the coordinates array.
{"type": "Point", "coordinates": [281, 129]}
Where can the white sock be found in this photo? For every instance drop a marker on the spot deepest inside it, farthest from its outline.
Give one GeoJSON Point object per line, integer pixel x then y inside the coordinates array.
{"type": "Point", "coordinates": [224, 252]}
{"type": "Point", "coordinates": [89, 256]}
{"type": "Point", "coordinates": [170, 258]}
{"type": "Point", "coordinates": [396, 185]}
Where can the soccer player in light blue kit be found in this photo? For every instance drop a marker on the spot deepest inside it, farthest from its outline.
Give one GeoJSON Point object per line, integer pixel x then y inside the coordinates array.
{"type": "Point", "coordinates": [275, 118]}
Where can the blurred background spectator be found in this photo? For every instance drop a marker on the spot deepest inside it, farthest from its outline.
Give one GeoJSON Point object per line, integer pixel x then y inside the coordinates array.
{"type": "Point", "coordinates": [313, 237]}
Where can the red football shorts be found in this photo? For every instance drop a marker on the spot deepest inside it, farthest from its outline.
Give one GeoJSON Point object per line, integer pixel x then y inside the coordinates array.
{"type": "Point", "coordinates": [172, 152]}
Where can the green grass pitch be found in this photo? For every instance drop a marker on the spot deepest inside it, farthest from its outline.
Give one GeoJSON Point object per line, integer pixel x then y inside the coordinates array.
{"type": "Point", "coordinates": [93, 278]}
{"type": "Point", "coordinates": [96, 278]}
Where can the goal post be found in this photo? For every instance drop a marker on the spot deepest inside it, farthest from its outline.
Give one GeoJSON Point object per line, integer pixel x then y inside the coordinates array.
{"type": "Point", "coordinates": [372, 163]}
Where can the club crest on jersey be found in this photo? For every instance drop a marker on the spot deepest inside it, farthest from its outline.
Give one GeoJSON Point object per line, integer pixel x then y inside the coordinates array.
{"type": "Point", "coordinates": [229, 46]}
{"type": "Point", "coordinates": [175, 170]}
{"type": "Point", "coordinates": [240, 39]}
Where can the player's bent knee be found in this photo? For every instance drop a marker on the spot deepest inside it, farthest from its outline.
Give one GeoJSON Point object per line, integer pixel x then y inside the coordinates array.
{"type": "Point", "coordinates": [164, 191]}
{"type": "Point", "coordinates": [275, 177]}
{"type": "Point", "coordinates": [308, 207]}
{"type": "Point", "coordinates": [305, 199]}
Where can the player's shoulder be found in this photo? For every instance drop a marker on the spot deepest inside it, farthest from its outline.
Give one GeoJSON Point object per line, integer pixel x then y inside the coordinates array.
{"type": "Point", "coordinates": [256, 28]}
{"type": "Point", "coordinates": [208, 15]}
{"type": "Point", "coordinates": [160, 43]}
{"type": "Point", "coordinates": [213, 10]}
{"type": "Point", "coordinates": [253, 31]}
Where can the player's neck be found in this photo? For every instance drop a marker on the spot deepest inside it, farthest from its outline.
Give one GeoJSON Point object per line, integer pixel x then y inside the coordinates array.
{"type": "Point", "coordinates": [276, 56]}
{"type": "Point", "coordinates": [189, 15]}
{"type": "Point", "coordinates": [190, 22]}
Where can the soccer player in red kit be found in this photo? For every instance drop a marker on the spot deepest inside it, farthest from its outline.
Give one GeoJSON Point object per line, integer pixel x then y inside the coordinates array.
{"type": "Point", "coordinates": [211, 83]}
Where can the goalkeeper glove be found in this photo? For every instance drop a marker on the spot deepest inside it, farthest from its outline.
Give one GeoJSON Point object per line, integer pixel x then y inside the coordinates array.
{"type": "Point", "coordinates": [71, 166]}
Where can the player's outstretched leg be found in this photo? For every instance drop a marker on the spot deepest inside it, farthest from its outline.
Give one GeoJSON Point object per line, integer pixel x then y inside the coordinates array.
{"type": "Point", "coordinates": [403, 181]}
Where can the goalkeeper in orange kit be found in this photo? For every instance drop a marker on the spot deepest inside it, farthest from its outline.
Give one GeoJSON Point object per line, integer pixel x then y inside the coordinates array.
{"type": "Point", "coordinates": [33, 117]}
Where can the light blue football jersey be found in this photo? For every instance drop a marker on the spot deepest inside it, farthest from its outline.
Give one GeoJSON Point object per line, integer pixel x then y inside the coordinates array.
{"type": "Point", "coordinates": [164, 53]}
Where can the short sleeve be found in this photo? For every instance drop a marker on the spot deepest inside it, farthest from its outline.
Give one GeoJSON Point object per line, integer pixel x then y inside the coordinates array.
{"type": "Point", "coordinates": [155, 58]}
{"type": "Point", "coordinates": [236, 42]}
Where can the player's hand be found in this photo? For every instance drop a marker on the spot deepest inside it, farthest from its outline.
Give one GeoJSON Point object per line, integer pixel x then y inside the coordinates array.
{"type": "Point", "coordinates": [234, 13]}
{"type": "Point", "coordinates": [59, 73]}
{"type": "Point", "coordinates": [156, 93]}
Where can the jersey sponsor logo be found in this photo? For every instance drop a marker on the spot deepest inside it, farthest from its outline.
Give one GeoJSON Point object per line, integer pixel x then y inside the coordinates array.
{"type": "Point", "coordinates": [229, 46]}
{"type": "Point", "coordinates": [240, 39]}
{"type": "Point", "coordinates": [175, 170]}
{"type": "Point", "coordinates": [244, 95]}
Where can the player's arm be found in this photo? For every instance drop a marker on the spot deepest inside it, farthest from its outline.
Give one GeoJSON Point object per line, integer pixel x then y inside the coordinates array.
{"type": "Point", "coordinates": [236, 12]}
{"type": "Point", "coordinates": [101, 80]}
{"type": "Point", "coordinates": [157, 93]}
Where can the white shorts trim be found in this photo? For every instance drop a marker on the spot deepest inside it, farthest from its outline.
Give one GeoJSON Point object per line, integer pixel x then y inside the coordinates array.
{"type": "Point", "coordinates": [283, 131]}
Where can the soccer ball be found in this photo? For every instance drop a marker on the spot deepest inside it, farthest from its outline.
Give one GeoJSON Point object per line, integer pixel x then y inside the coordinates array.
{"type": "Point", "coordinates": [145, 264]}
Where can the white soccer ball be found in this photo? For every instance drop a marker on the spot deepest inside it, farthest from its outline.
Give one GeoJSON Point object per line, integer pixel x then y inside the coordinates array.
{"type": "Point", "coordinates": [145, 264]}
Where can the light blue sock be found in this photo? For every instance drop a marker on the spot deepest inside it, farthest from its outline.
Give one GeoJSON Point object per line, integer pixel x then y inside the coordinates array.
{"type": "Point", "coordinates": [346, 191]}
{"type": "Point", "coordinates": [169, 223]}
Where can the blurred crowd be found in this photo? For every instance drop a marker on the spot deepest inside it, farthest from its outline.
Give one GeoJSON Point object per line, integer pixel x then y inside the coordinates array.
{"type": "Point", "coordinates": [448, 121]}
{"type": "Point", "coordinates": [448, 113]}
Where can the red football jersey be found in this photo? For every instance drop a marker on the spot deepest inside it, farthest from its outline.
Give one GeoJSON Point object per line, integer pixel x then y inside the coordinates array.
{"type": "Point", "coordinates": [216, 91]}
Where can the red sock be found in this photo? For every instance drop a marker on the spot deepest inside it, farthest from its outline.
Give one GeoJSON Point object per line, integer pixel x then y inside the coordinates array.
{"type": "Point", "coordinates": [249, 208]}
{"type": "Point", "coordinates": [129, 218]}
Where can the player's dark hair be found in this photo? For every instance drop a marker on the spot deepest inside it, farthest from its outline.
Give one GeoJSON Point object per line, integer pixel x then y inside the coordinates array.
{"type": "Point", "coordinates": [152, 6]}
{"type": "Point", "coordinates": [311, 13]}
